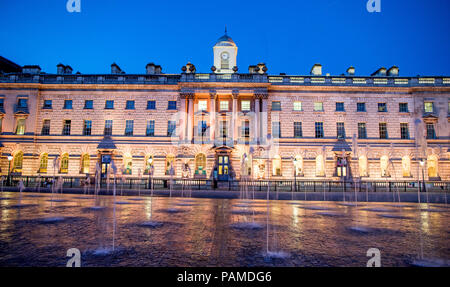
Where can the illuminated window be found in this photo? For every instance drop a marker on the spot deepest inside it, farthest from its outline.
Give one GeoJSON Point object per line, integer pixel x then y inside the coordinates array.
{"type": "Point", "coordinates": [384, 166]}
{"type": "Point", "coordinates": [298, 165]}
{"type": "Point", "coordinates": [200, 164]}
{"type": "Point", "coordinates": [18, 161]}
{"type": "Point", "coordinates": [432, 166]}
{"type": "Point", "coordinates": [276, 166]}
{"type": "Point", "coordinates": [170, 165]}
{"type": "Point", "coordinates": [318, 107]}
{"type": "Point", "coordinates": [297, 106]}
{"type": "Point", "coordinates": [202, 105]}
{"type": "Point", "coordinates": [406, 166]}
{"type": "Point", "coordinates": [362, 163]}
{"type": "Point", "coordinates": [382, 107]}
{"type": "Point", "coordinates": [147, 164]}
{"type": "Point", "coordinates": [43, 163]}
{"type": "Point", "coordinates": [64, 168]}
{"type": "Point", "coordinates": [320, 168]}
{"type": "Point", "coordinates": [247, 166]}
{"type": "Point", "coordinates": [428, 107]}
{"type": "Point", "coordinates": [20, 128]}
{"type": "Point", "coordinates": [85, 162]}
{"type": "Point", "coordinates": [245, 106]}
{"type": "Point", "coordinates": [128, 163]}
{"type": "Point", "coordinates": [223, 105]}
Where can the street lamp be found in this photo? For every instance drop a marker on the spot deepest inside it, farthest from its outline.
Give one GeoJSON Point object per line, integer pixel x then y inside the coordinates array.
{"type": "Point", "coordinates": [295, 173]}
{"type": "Point", "coordinates": [422, 164]}
{"type": "Point", "coordinates": [10, 158]}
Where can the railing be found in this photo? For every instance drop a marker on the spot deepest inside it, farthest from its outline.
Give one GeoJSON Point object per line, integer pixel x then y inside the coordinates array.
{"type": "Point", "coordinates": [308, 80]}
{"type": "Point", "coordinates": [236, 185]}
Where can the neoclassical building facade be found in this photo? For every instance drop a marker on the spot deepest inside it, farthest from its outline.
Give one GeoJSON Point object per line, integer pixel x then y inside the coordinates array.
{"type": "Point", "coordinates": [225, 124]}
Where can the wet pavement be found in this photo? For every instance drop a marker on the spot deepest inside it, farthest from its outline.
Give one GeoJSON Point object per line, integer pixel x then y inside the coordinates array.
{"type": "Point", "coordinates": [38, 229]}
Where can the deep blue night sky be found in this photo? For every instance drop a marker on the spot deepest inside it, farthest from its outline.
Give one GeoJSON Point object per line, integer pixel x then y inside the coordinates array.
{"type": "Point", "coordinates": [289, 36]}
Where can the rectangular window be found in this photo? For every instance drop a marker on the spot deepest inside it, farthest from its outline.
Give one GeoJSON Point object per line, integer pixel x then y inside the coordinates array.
{"type": "Point", "coordinates": [297, 106]}
{"type": "Point", "coordinates": [172, 105]}
{"type": "Point", "coordinates": [202, 105]}
{"type": "Point", "coordinates": [245, 106]}
{"type": "Point", "coordinates": [246, 129]}
{"type": "Point", "coordinates": [108, 127]}
{"type": "Point", "coordinates": [109, 105]}
{"type": "Point", "coordinates": [362, 132]}
{"type": "Point", "coordinates": [46, 128]}
{"type": "Point", "coordinates": [223, 105]}
{"type": "Point", "coordinates": [129, 127]}
{"type": "Point", "coordinates": [22, 103]}
{"type": "Point", "coordinates": [340, 130]}
{"type": "Point", "coordinates": [276, 106]}
{"type": "Point", "coordinates": [428, 107]}
{"type": "Point", "coordinates": [171, 128]}
{"type": "Point", "coordinates": [47, 104]}
{"type": "Point", "coordinates": [87, 127]}
{"type": "Point", "coordinates": [129, 105]}
{"type": "Point", "coordinates": [88, 104]}
{"type": "Point", "coordinates": [318, 107]}
{"type": "Point", "coordinates": [150, 131]}
{"type": "Point", "coordinates": [340, 107]}
{"type": "Point", "coordinates": [20, 129]}
{"type": "Point", "coordinates": [151, 105]}
{"type": "Point", "coordinates": [404, 131]}
{"type": "Point", "coordinates": [382, 108]}
{"type": "Point", "coordinates": [319, 129]}
{"type": "Point", "coordinates": [66, 127]}
{"type": "Point", "coordinates": [403, 108]}
{"type": "Point", "coordinates": [67, 105]}
{"type": "Point", "coordinates": [202, 128]}
{"type": "Point", "coordinates": [223, 129]}
{"type": "Point", "coordinates": [298, 132]}
{"type": "Point", "coordinates": [361, 107]}
{"type": "Point", "coordinates": [383, 130]}
{"type": "Point", "coordinates": [431, 133]}
{"type": "Point", "coordinates": [276, 132]}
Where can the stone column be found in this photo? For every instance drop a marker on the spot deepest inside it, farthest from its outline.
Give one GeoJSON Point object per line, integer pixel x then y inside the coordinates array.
{"type": "Point", "coordinates": [256, 121]}
{"type": "Point", "coordinates": [234, 117]}
{"type": "Point", "coordinates": [212, 116]}
{"type": "Point", "coordinates": [264, 122]}
{"type": "Point", "coordinates": [183, 118]}
{"type": "Point", "coordinates": [190, 121]}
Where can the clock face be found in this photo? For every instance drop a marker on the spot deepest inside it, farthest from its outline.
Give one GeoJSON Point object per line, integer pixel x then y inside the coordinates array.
{"type": "Point", "coordinates": [224, 56]}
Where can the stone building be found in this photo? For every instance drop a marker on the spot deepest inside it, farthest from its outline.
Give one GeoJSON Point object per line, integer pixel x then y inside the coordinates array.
{"type": "Point", "coordinates": [226, 123]}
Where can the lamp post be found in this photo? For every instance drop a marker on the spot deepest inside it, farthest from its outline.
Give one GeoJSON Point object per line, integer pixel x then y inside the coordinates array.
{"type": "Point", "coordinates": [10, 158]}
{"type": "Point", "coordinates": [295, 173]}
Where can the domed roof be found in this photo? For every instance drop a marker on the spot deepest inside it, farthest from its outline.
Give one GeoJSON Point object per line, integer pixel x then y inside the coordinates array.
{"type": "Point", "coordinates": [225, 40]}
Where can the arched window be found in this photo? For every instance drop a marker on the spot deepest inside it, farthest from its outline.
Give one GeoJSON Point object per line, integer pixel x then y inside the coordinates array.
{"type": "Point", "coordinates": [298, 165]}
{"type": "Point", "coordinates": [362, 164]}
{"type": "Point", "coordinates": [170, 164]}
{"type": "Point", "coordinates": [64, 168]}
{"type": "Point", "coordinates": [18, 161]}
{"type": "Point", "coordinates": [432, 166]}
{"type": "Point", "coordinates": [246, 166]}
{"type": "Point", "coordinates": [148, 163]}
{"type": "Point", "coordinates": [128, 164]}
{"type": "Point", "coordinates": [320, 168]}
{"type": "Point", "coordinates": [406, 166]}
{"type": "Point", "coordinates": [384, 166]}
{"type": "Point", "coordinates": [85, 162]}
{"type": "Point", "coordinates": [260, 170]}
{"type": "Point", "coordinates": [43, 163]}
{"type": "Point", "coordinates": [276, 166]}
{"type": "Point", "coordinates": [200, 164]}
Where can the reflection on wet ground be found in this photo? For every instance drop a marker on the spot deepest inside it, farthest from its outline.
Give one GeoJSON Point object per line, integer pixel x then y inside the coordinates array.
{"type": "Point", "coordinates": [38, 229]}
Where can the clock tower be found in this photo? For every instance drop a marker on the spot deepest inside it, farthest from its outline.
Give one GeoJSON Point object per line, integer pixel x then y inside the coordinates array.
{"type": "Point", "coordinates": [225, 53]}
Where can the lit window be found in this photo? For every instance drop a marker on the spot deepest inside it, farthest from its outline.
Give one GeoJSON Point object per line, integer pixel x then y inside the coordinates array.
{"type": "Point", "coordinates": [318, 107]}
{"type": "Point", "coordinates": [18, 161]}
{"type": "Point", "coordinates": [202, 105]}
{"type": "Point", "coordinates": [276, 166]}
{"type": "Point", "coordinates": [223, 105]}
{"type": "Point", "coordinates": [85, 161]}
{"type": "Point", "coordinates": [20, 129]}
{"type": "Point", "coordinates": [245, 106]}
{"type": "Point", "coordinates": [200, 164]}
{"type": "Point", "coordinates": [64, 168]}
{"type": "Point", "coordinates": [382, 108]}
{"type": "Point", "coordinates": [297, 106]}
{"type": "Point", "coordinates": [43, 163]}
{"type": "Point", "coordinates": [428, 107]}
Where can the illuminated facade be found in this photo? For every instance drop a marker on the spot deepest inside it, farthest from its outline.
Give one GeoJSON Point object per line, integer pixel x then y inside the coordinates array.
{"type": "Point", "coordinates": [206, 124]}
